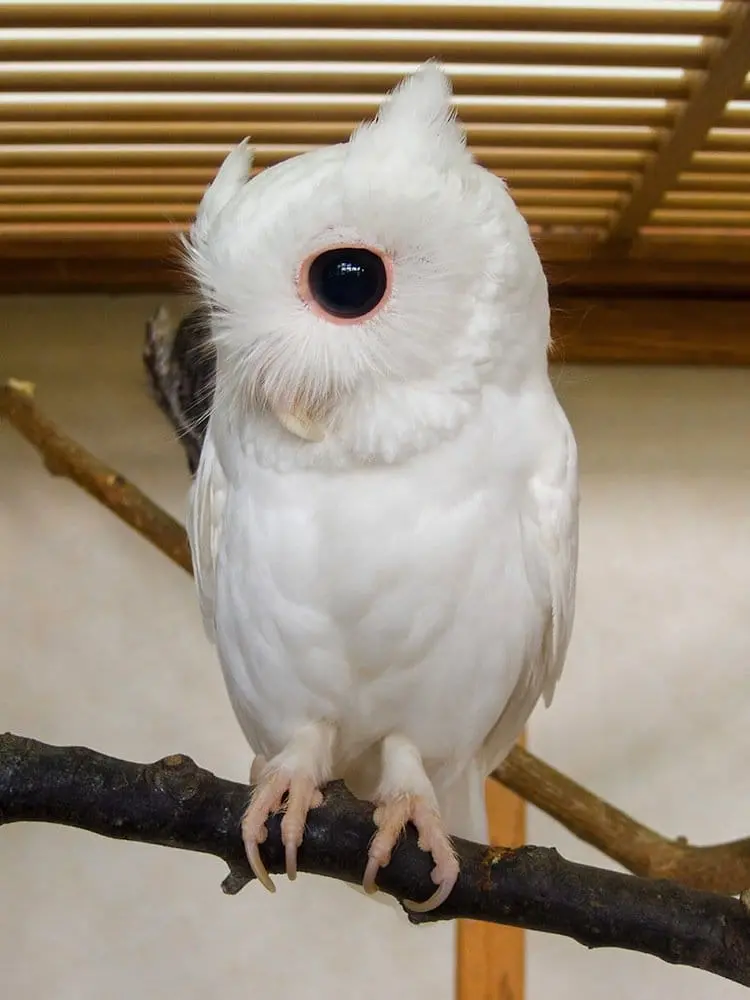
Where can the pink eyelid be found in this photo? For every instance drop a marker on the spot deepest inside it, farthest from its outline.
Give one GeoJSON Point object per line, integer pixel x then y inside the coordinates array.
{"type": "Point", "coordinates": [304, 292]}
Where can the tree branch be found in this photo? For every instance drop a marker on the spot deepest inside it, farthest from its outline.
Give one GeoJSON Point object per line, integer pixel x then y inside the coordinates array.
{"type": "Point", "coordinates": [64, 457]}
{"type": "Point", "coordinates": [723, 868]}
{"type": "Point", "coordinates": [175, 803]}
{"type": "Point", "coordinates": [712, 868]}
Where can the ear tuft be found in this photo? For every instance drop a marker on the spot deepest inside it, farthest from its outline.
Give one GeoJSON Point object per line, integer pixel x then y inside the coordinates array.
{"type": "Point", "coordinates": [422, 99]}
{"type": "Point", "coordinates": [232, 176]}
{"type": "Point", "coordinates": [417, 118]}
{"type": "Point", "coordinates": [230, 179]}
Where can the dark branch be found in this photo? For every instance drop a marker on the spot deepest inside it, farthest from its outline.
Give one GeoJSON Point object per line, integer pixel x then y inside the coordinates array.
{"type": "Point", "coordinates": [710, 867]}
{"type": "Point", "coordinates": [721, 868]}
{"type": "Point", "coordinates": [175, 803]}
{"type": "Point", "coordinates": [180, 369]}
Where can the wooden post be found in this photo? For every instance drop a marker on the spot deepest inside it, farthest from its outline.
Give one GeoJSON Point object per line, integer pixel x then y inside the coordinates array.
{"type": "Point", "coordinates": [490, 960]}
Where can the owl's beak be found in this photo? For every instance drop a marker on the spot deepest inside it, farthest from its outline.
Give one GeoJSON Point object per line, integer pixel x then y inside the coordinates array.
{"type": "Point", "coordinates": [298, 421]}
{"type": "Point", "coordinates": [298, 414]}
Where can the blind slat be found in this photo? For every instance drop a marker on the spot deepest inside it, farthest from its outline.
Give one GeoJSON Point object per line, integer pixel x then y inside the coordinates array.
{"type": "Point", "coordinates": [151, 211]}
{"type": "Point", "coordinates": [728, 140]}
{"type": "Point", "coordinates": [342, 48]}
{"type": "Point", "coordinates": [331, 78]}
{"type": "Point", "coordinates": [190, 194]}
{"type": "Point", "coordinates": [114, 116]}
{"type": "Point", "coordinates": [164, 234]}
{"type": "Point", "coordinates": [116, 156]}
{"type": "Point", "coordinates": [712, 218]}
{"type": "Point", "coordinates": [314, 132]}
{"type": "Point", "coordinates": [116, 173]}
{"type": "Point", "coordinates": [707, 181]}
{"type": "Point", "coordinates": [478, 16]}
{"type": "Point", "coordinates": [30, 107]}
{"type": "Point", "coordinates": [721, 162]}
{"type": "Point", "coordinates": [732, 200]}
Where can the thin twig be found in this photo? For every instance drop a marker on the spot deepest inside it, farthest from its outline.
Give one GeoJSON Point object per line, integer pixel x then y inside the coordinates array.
{"type": "Point", "coordinates": [721, 868]}
{"type": "Point", "coordinates": [712, 868]}
{"type": "Point", "coordinates": [64, 457]}
{"type": "Point", "coordinates": [175, 803]}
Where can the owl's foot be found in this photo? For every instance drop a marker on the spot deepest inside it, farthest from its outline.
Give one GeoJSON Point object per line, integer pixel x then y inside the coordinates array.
{"type": "Point", "coordinates": [291, 782]}
{"type": "Point", "coordinates": [390, 818]}
{"type": "Point", "coordinates": [407, 796]}
{"type": "Point", "coordinates": [302, 795]}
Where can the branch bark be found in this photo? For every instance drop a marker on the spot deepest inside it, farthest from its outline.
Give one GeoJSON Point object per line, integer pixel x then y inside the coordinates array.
{"type": "Point", "coordinates": [713, 868]}
{"type": "Point", "coordinates": [175, 803]}
{"type": "Point", "coordinates": [721, 868]}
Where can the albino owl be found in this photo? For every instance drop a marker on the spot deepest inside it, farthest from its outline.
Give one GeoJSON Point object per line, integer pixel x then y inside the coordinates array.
{"type": "Point", "coordinates": [384, 518]}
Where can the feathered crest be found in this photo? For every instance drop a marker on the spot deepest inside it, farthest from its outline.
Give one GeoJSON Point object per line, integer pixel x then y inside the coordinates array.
{"type": "Point", "coordinates": [232, 176]}
{"type": "Point", "coordinates": [417, 119]}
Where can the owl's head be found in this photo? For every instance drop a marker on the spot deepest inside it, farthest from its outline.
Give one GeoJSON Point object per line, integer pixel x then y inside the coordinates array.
{"type": "Point", "coordinates": [378, 269]}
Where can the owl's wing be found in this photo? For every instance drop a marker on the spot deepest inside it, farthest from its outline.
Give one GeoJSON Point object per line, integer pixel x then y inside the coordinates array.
{"type": "Point", "coordinates": [204, 525]}
{"type": "Point", "coordinates": [550, 533]}
{"type": "Point", "coordinates": [554, 517]}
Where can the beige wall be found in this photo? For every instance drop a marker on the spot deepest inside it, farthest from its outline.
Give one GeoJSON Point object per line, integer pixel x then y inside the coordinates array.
{"type": "Point", "coordinates": [654, 708]}
{"type": "Point", "coordinates": [102, 646]}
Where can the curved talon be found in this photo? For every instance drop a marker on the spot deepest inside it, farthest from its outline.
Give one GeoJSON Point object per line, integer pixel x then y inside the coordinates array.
{"type": "Point", "coordinates": [267, 798]}
{"type": "Point", "coordinates": [436, 899]}
{"type": "Point", "coordinates": [264, 801]}
{"type": "Point", "coordinates": [290, 853]}
{"type": "Point", "coordinates": [391, 817]}
{"type": "Point", "coordinates": [259, 869]}
{"type": "Point", "coordinates": [303, 796]}
{"type": "Point", "coordinates": [371, 871]}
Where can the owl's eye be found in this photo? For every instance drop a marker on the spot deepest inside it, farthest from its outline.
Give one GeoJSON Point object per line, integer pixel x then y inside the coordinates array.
{"type": "Point", "coordinates": [346, 283]}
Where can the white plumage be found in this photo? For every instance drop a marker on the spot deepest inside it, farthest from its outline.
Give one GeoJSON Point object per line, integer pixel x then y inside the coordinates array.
{"type": "Point", "coordinates": [384, 519]}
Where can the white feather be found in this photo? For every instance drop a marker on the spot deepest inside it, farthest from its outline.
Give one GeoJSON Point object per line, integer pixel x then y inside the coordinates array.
{"type": "Point", "coordinates": [204, 528]}
{"type": "Point", "coordinates": [414, 571]}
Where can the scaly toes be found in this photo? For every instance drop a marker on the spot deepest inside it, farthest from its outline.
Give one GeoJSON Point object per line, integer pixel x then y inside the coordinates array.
{"type": "Point", "coordinates": [390, 818]}
{"type": "Point", "coordinates": [265, 800]}
{"type": "Point", "coordinates": [270, 789]}
{"type": "Point", "coordinates": [446, 877]}
{"type": "Point", "coordinates": [433, 838]}
{"type": "Point", "coordinates": [303, 796]}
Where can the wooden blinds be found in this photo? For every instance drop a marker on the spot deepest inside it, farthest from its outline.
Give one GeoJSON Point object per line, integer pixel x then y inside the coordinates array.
{"type": "Point", "coordinates": [622, 127]}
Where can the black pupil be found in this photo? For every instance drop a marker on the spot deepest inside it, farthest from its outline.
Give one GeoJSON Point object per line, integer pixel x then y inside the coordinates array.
{"type": "Point", "coordinates": [347, 282]}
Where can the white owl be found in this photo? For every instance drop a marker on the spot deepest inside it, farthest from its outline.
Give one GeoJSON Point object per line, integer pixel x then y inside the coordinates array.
{"type": "Point", "coordinates": [384, 519]}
